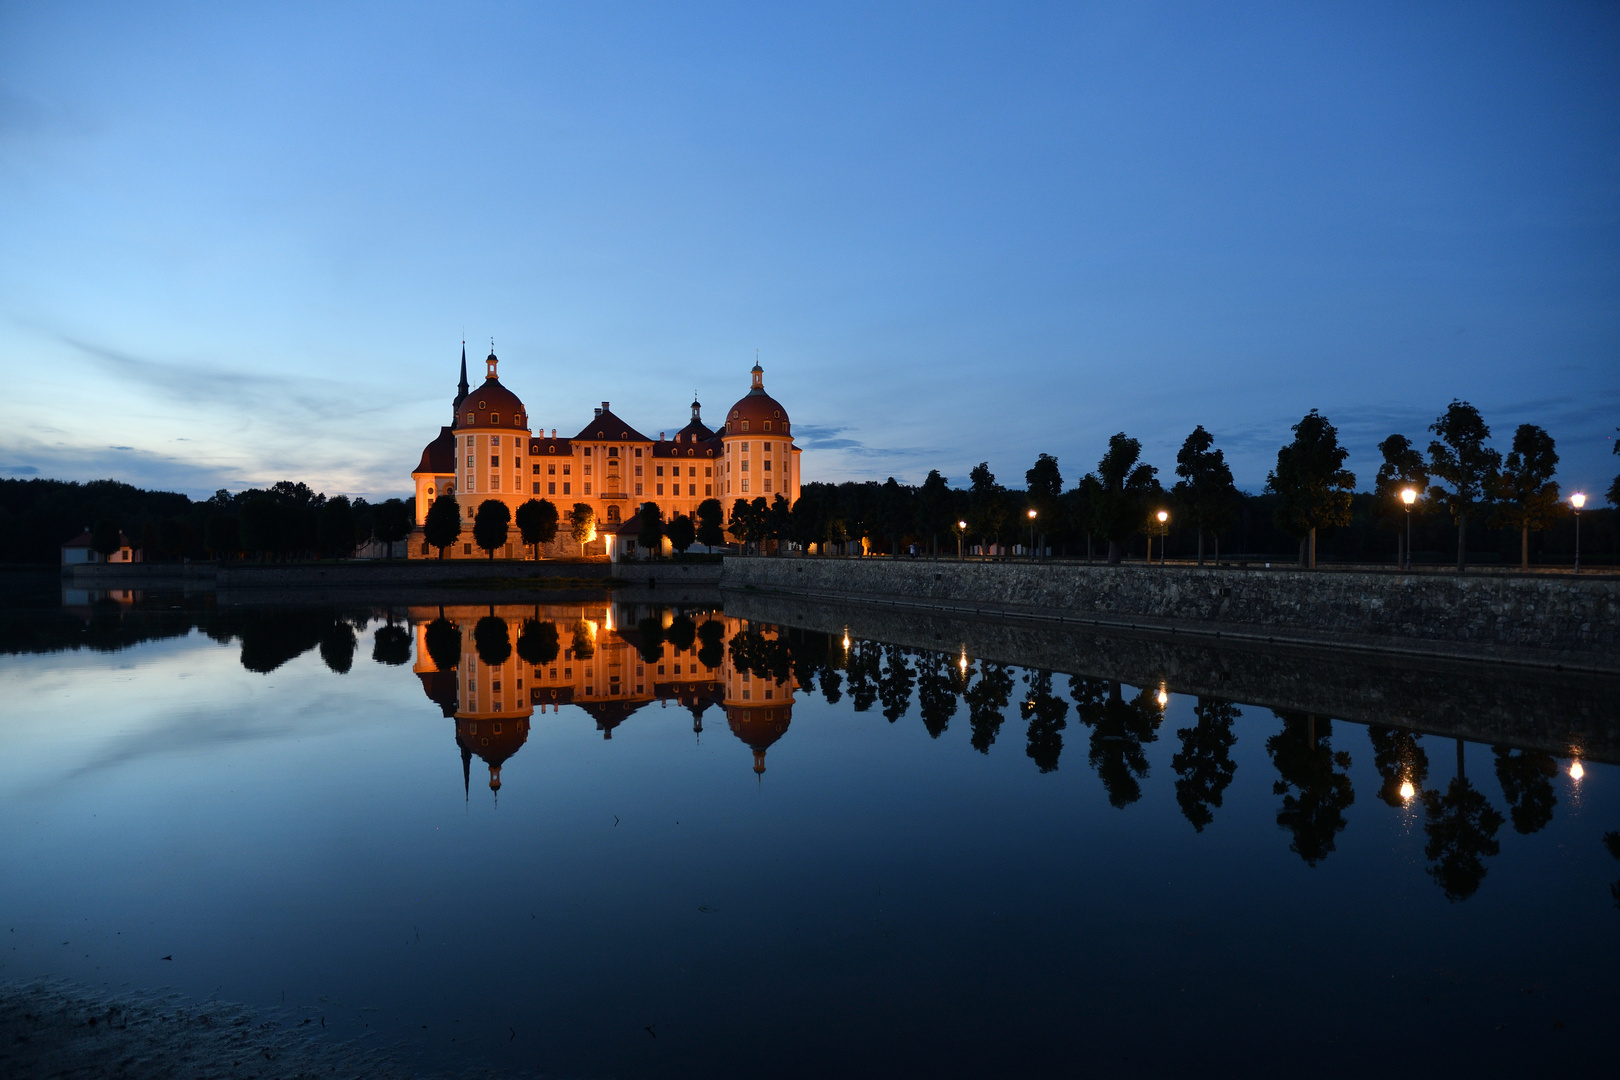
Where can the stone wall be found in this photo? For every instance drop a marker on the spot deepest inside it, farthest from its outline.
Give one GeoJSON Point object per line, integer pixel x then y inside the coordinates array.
{"type": "Point", "coordinates": [245, 575]}
{"type": "Point", "coordinates": [1551, 619]}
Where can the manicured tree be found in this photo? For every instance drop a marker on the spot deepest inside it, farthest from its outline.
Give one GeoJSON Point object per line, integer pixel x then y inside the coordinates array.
{"type": "Point", "coordinates": [1527, 496]}
{"type": "Point", "coordinates": [336, 527]}
{"type": "Point", "coordinates": [710, 520]}
{"type": "Point", "coordinates": [1313, 484]}
{"type": "Point", "coordinates": [538, 643]}
{"type": "Point", "coordinates": [391, 645]}
{"type": "Point", "coordinates": [492, 640]}
{"type": "Point", "coordinates": [779, 520]}
{"type": "Point", "coordinates": [1205, 491]}
{"type": "Point", "coordinates": [104, 537]}
{"type": "Point", "coordinates": [934, 509]}
{"type": "Point", "coordinates": [391, 523]}
{"type": "Point", "coordinates": [759, 521]}
{"type": "Point", "coordinates": [1460, 460]}
{"type": "Point", "coordinates": [1402, 468]}
{"type": "Point", "coordinates": [222, 535]}
{"type": "Point", "coordinates": [491, 525]}
{"type": "Point", "coordinates": [443, 643]}
{"type": "Point", "coordinates": [681, 532]}
{"type": "Point", "coordinates": [337, 647]}
{"type": "Point", "coordinates": [1081, 508]}
{"type": "Point", "coordinates": [1044, 482]}
{"type": "Point", "coordinates": [650, 536]}
{"type": "Point", "coordinates": [1124, 486]}
{"type": "Point", "coordinates": [987, 504]}
{"type": "Point", "coordinates": [582, 525]}
{"type": "Point", "coordinates": [741, 525]}
{"type": "Point", "coordinates": [442, 526]}
{"type": "Point", "coordinates": [537, 522]}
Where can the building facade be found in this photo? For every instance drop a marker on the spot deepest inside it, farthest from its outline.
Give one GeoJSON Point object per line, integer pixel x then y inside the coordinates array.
{"type": "Point", "coordinates": [488, 451]}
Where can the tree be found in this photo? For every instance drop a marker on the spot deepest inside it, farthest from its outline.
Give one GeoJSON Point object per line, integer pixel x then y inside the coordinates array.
{"type": "Point", "coordinates": [1046, 713]}
{"type": "Point", "coordinates": [537, 523]}
{"type": "Point", "coordinates": [442, 527]}
{"type": "Point", "coordinates": [1460, 459]}
{"type": "Point", "coordinates": [1081, 507]}
{"type": "Point", "coordinates": [1305, 762]}
{"type": "Point", "coordinates": [261, 525]}
{"type": "Point", "coordinates": [391, 523]}
{"type": "Point", "coordinates": [1614, 500]}
{"type": "Point", "coordinates": [987, 504]}
{"type": "Point", "coordinates": [391, 645]}
{"type": "Point", "coordinates": [779, 519]}
{"type": "Point", "coordinates": [443, 643]}
{"type": "Point", "coordinates": [710, 516]}
{"type": "Point", "coordinates": [936, 695]}
{"type": "Point", "coordinates": [222, 535]}
{"type": "Point", "coordinates": [934, 509]}
{"type": "Point", "coordinates": [1123, 486]}
{"type": "Point", "coordinates": [1399, 759]}
{"type": "Point", "coordinates": [894, 513]}
{"type": "Point", "coordinates": [491, 526]}
{"type": "Point", "coordinates": [582, 525]}
{"type": "Point", "coordinates": [1402, 468]}
{"type": "Point", "coordinates": [538, 642]}
{"type": "Point", "coordinates": [336, 529]}
{"type": "Point", "coordinates": [1526, 778]}
{"type": "Point", "coordinates": [105, 537]}
{"type": "Point", "coordinates": [1461, 828]}
{"type": "Point", "coordinates": [337, 646]}
{"type": "Point", "coordinates": [1527, 497]}
{"type": "Point", "coordinates": [492, 640]}
{"type": "Point", "coordinates": [681, 532]}
{"type": "Point", "coordinates": [1044, 482]}
{"type": "Point", "coordinates": [1205, 491]}
{"type": "Point", "coordinates": [987, 701]}
{"type": "Point", "coordinates": [1313, 485]}
{"type": "Point", "coordinates": [748, 521]}
{"type": "Point", "coordinates": [650, 535]}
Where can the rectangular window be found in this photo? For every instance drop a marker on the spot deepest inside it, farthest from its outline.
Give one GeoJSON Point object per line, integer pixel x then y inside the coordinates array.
{"type": "Point", "coordinates": [638, 489]}
{"type": "Point", "coordinates": [567, 467]}
{"type": "Point", "coordinates": [767, 487]}
{"type": "Point", "coordinates": [745, 466]}
{"type": "Point", "coordinates": [745, 486]}
{"type": "Point", "coordinates": [537, 487]}
{"type": "Point", "coordinates": [660, 470]}
{"type": "Point", "coordinates": [638, 468]}
{"type": "Point", "coordinates": [587, 451]}
{"type": "Point", "coordinates": [536, 468]}
{"type": "Point", "coordinates": [708, 489]}
{"type": "Point", "coordinates": [551, 469]}
{"type": "Point", "coordinates": [691, 490]}
{"type": "Point", "coordinates": [587, 470]}
{"type": "Point", "coordinates": [660, 489]}
{"type": "Point", "coordinates": [638, 451]}
{"type": "Point", "coordinates": [745, 448]}
{"type": "Point", "coordinates": [494, 483]}
{"type": "Point", "coordinates": [708, 470]}
{"type": "Point", "coordinates": [469, 461]}
{"type": "Point", "coordinates": [565, 488]}
{"type": "Point", "coordinates": [587, 487]}
{"type": "Point", "coordinates": [466, 549]}
{"type": "Point", "coordinates": [551, 488]}
{"type": "Point", "coordinates": [767, 466]}
{"type": "Point", "coordinates": [494, 462]}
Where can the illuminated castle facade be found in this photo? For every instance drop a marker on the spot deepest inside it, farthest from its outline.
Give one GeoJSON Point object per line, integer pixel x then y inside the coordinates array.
{"type": "Point", "coordinates": [488, 451]}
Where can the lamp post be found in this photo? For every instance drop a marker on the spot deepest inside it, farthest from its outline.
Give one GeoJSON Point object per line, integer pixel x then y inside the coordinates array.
{"type": "Point", "coordinates": [1577, 500]}
{"type": "Point", "coordinates": [1164, 533]}
{"type": "Point", "coordinates": [961, 531]}
{"type": "Point", "coordinates": [1032, 536]}
{"type": "Point", "coordinates": [1408, 496]}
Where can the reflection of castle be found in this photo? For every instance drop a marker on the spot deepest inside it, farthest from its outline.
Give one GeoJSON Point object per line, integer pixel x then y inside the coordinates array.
{"type": "Point", "coordinates": [604, 661]}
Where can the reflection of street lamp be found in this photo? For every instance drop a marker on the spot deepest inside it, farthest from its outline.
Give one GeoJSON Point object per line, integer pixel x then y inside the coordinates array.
{"type": "Point", "coordinates": [1163, 697]}
{"type": "Point", "coordinates": [961, 531]}
{"type": "Point", "coordinates": [1164, 533]}
{"type": "Point", "coordinates": [1575, 770]}
{"type": "Point", "coordinates": [1032, 535]}
{"type": "Point", "coordinates": [1577, 500]}
{"type": "Point", "coordinates": [1408, 496]}
{"type": "Point", "coordinates": [1407, 790]}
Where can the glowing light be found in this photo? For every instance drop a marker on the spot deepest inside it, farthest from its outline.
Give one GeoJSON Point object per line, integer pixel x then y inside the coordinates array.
{"type": "Point", "coordinates": [1162, 516]}
{"type": "Point", "coordinates": [961, 525]}
{"type": "Point", "coordinates": [846, 640]}
{"type": "Point", "coordinates": [962, 663]}
{"type": "Point", "coordinates": [1408, 496]}
{"type": "Point", "coordinates": [1575, 770]}
{"type": "Point", "coordinates": [1032, 515]}
{"type": "Point", "coordinates": [1578, 500]}
{"type": "Point", "coordinates": [1163, 697]}
{"type": "Point", "coordinates": [1407, 790]}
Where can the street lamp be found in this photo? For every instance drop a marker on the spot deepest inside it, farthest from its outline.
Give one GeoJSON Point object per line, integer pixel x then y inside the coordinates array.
{"type": "Point", "coordinates": [1408, 496]}
{"type": "Point", "coordinates": [1164, 533]}
{"type": "Point", "coordinates": [1032, 535]}
{"type": "Point", "coordinates": [961, 531]}
{"type": "Point", "coordinates": [1577, 500]}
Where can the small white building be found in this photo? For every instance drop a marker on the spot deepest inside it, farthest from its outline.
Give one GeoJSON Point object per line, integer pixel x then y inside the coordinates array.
{"type": "Point", "coordinates": [77, 551]}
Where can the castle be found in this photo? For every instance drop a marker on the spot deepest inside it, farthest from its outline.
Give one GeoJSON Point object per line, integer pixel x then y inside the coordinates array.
{"type": "Point", "coordinates": [488, 452]}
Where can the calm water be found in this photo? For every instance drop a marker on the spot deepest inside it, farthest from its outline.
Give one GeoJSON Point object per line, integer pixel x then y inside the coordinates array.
{"type": "Point", "coordinates": [613, 840]}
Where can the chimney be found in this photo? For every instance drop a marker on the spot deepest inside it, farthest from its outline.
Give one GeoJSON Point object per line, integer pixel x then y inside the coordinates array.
{"type": "Point", "coordinates": [605, 407]}
{"type": "Point", "coordinates": [598, 412]}
{"type": "Point", "coordinates": [660, 436]}
{"type": "Point", "coordinates": [553, 433]}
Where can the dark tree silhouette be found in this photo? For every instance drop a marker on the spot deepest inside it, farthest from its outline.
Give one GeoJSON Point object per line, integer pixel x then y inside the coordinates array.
{"type": "Point", "coordinates": [1205, 491]}
{"type": "Point", "coordinates": [1311, 482]}
{"type": "Point", "coordinates": [444, 643]}
{"type": "Point", "coordinates": [1527, 496]}
{"type": "Point", "coordinates": [583, 646]}
{"type": "Point", "coordinates": [1402, 468]}
{"type": "Point", "coordinates": [1044, 482]}
{"type": "Point", "coordinates": [1315, 797]}
{"type": "Point", "coordinates": [492, 640]}
{"type": "Point", "coordinates": [710, 516]}
{"type": "Point", "coordinates": [987, 504]}
{"type": "Point", "coordinates": [650, 530]}
{"type": "Point", "coordinates": [1047, 718]}
{"type": "Point", "coordinates": [934, 509]}
{"type": "Point", "coordinates": [442, 527]}
{"type": "Point", "coordinates": [681, 532]}
{"type": "Point", "coordinates": [894, 687]}
{"type": "Point", "coordinates": [105, 537]}
{"type": "Point", "coordinates": [1119, 730]}
{"type": "Point", "coordinates": [1204, 767]}
{"type": "Point", "coordinates": [1120, 497]}
{"type": "Point", "coordinates": [1399, 759]}
{"type": "Point", "coordinates": [712, 643]}
{"type": "Point", "coordinates": [1461, 828]}
{"type": "Point", "coordinates": [337, 647]}
{"type": "Point", "coordinates": [391, 523]}
{"type": "Point", "coordinates": [491, 525]}
{"type": "Point", "coordinates": [936, 692]}
{"type": "Point", "coordinates": [1459, 458]}
{"type": "Point", "coordinates": [864, 674]}
{"type": "Point", "coordinates": [682, 631]}
{"type": "Point", "coordinates": [538, 642]}
{"type": "Point", "coordinates": [537, 521]}
{"type": "Point", "coordinates": [1526, 779]}
{"type": "Point", "coordinates": [987, 704]}
{"type": "Point", "coordinates": [1611, 840]}
{"type": "Point", "coordinates": [336, 527]}
{"type": "Point", "coordinates": [582, 525]}
{"type": "Point", "coordinates": [651, 632]}
{"type": "Point", "coordinates": [391, 645]}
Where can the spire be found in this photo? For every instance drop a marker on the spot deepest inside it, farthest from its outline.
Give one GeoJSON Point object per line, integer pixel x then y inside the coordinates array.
{"type": "Point", "coordinates": [696, 409]}
{"type": "Point", "coordinates": [466, 773]}
{"type": "Point", "coordinates": [491, 362]}
{"type": "Point", "coordinates": [759, 376]}
{"type": "Point", "coordinates": [462, 388]}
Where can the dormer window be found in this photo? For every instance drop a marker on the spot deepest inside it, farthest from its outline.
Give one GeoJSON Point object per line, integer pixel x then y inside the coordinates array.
{"type": "Point", "coordinates": [495, 418]}
{"type": "Point", "coordinates": [767, 425]}
{"type": "Point", "coordinates": [745, 425]}
{"type": "Point", "coordinates": [469, 418]}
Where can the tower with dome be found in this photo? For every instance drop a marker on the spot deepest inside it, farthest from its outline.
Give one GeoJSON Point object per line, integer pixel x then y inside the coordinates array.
{"type": "Point", "coordinates": [488, 451]}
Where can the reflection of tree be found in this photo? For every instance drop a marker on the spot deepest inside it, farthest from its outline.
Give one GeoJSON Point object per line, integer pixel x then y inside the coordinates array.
{"type": "Point", "coordinates": [391, 644]}
{"type": "Point", "coordinates": [538, 642]}
{"type": "Point", "coordinates": [337, 646]}
{"type": "Point", "coordinates": [1462, 835]}
{"type": "Point", "coordinates": [831, 681]}
{"type": "Point", "coordinates": [651, 632]}
{"type": "Point", "coordinates": [584, 646]}
{"type": "Point", "coordinates": [894, 686]}
{"type": "Point", "coordinates": [1046, 714]}
{"type": "Point", "coordinates": [492, 641]}
{"type": "Point", "coordinates": [1205, 767]}
{"type": "Point", "coordinates": [1119, 730]}
{"type": "Point", "coordinates": [1305, 761]}
{"type": "Point", "coordinates": [1526, 779]}
{"type": "Point", "coordinates": [682, 631]}
{"type": "Point", "coordinates": [444, 644]}
{"type": "Point", "coordinates": [863, 675]}
{"type": "Point", "coordinates": [936, 692]}
{"type": "Point", "coordinates": [1399, 760]}
{"type": "Point", "coordinates": [712, 651]}
{"type": "Point", "coordinates": [1611, 840]}
{"type": "Point", "coordinates": [987, 701]}
{"type": "Point", "coordinates": [271, 638]}
{"type": "Point", "coordinates": [755, 654]}
{"type": "Point", "coordinates": [807, 651]}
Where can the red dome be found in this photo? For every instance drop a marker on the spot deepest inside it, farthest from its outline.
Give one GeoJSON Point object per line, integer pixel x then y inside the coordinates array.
{"type": "Point", "coordinates": [757, 413]}
{"type": "Point", "coordinates": [491, 405]}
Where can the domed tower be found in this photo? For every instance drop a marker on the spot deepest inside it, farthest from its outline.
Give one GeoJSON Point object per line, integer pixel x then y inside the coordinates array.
{"type": "Point", "coordinates": [760, 458]}
{"type": "Point", "coordinates": [758, 708]}
{"type": "Point", "coordinates": [493, 709]}
{"type": "Point", "coordinates": [491, 440]}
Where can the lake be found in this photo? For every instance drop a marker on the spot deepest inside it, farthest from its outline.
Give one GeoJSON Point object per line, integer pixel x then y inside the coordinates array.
{"type": "Point", "coordinates": [602, 837]}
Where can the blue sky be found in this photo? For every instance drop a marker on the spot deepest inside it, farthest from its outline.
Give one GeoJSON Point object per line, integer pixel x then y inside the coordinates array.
{"type": "Point", "coordinates": [239, 245]}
